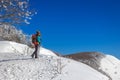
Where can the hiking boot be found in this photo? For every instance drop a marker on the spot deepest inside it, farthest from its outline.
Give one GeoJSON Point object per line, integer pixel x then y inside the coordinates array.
{"type": "Point", "coordinates": [36, 57]}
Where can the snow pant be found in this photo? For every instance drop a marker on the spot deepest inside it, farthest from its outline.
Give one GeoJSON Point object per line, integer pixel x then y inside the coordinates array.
{"type": "Point", "coordinates": [35, 53]}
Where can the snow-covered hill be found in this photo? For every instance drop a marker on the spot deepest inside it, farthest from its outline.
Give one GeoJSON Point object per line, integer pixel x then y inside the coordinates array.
{"type": "Point", "coordinates": [111, 66]}
{"type": "Point", "coordinates": [106, 64]}
{"type": "Point", "coordinates": [13, 47]}
{"type": "Point", "coordinates": [73, 70]}
{"type": "Point", "coordinates": [17, 64]}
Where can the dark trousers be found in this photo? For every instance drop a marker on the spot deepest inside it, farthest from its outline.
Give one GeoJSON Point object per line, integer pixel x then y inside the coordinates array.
{"type": "Point", "coordinates": [35, 53]}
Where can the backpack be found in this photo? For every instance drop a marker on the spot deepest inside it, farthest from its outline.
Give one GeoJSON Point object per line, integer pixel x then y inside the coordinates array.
{"type": "Point", "coordinates": [34, 38]}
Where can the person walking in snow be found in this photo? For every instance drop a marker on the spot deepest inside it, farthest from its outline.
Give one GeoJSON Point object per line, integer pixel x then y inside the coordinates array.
{"type": "Point", "coordinates": [36, 40]}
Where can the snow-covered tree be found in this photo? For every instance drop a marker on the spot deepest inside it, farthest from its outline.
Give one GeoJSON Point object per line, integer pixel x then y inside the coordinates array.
{"type": "Point", "coordinates": [10, 33]}
{"type": "Point", "coordinates": [15, 12]}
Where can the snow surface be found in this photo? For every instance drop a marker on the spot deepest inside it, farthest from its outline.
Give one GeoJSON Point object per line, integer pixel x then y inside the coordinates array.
{"type": "Point", "coordinates": [17, 64]}
{"type": "Point", "coordinates": [111, 66]}
{"type": "Point", "coordinates": [73, 70]}
{"type": "Point", "coordinates": [13, 47]}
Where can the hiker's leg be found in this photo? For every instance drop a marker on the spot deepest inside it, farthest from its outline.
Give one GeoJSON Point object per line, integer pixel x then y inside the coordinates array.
{"type": "Point", "coordinates": [33, 53]}
{"type": "Point", "coordinates": [36, 50]}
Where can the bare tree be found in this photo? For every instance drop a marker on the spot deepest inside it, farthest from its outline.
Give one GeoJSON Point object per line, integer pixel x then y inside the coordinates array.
{"type": "Point", "coordinates": [15, 12]}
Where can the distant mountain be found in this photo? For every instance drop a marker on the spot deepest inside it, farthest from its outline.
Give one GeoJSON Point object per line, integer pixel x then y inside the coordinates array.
{"type": "Point", "coordinates": [106, 64]}
{"type": "Point", "coordinates": [90, 58]}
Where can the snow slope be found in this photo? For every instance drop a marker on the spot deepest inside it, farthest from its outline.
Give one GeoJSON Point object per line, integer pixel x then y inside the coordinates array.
{"type": "Point", "coordinates": [111, 66]}
{"type": "Point", "coordinates": [106, 64]}
{"type": "Point", "coordinates": [13, 47]}
{"type": "Point", "coordinates": [28, 69]}
{"type": "Point", "coordinates": [17, 64]}
{"type": "Point", "coordinates": [73, 70]}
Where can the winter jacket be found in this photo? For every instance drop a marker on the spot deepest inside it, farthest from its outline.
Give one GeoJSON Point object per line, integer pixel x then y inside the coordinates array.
{"type": "Point", "coordinates": [38, 38]}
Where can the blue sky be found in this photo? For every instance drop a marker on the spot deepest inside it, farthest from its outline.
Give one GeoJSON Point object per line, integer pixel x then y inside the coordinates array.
{"type": "Point", "coordinates": [70, 26]}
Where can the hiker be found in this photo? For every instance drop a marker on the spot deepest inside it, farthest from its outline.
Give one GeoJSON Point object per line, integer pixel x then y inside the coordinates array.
{"type": "Point", "coordinates": [36, 40]}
